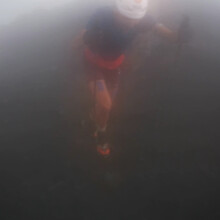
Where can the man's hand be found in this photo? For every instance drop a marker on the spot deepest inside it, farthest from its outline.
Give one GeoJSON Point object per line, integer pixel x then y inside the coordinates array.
{"type": "Point", "coordinates": [181, 36]}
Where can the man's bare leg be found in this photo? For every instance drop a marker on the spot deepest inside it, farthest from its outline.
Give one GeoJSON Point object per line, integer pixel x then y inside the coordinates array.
{"type": "Point", "coordinates": [103, 103]}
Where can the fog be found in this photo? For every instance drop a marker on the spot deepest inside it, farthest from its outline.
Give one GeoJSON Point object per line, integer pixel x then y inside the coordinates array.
{"type": "Point", "coordinates": [164, 124]}
{"type": "Point", "coordinates": [13, 9]}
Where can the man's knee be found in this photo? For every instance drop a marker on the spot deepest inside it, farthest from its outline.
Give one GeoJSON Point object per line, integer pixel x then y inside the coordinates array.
{"type": "Point", "coordinates": [105, 105]}
{"type": "Point", "coordinates": [108, 105]}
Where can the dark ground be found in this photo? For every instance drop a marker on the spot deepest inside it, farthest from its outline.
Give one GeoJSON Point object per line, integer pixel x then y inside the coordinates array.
{"type": "Point", "coordinates": [165, 127]}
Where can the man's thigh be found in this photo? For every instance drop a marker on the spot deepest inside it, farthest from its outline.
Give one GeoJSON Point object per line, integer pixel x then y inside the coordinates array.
{"type": "Point", "coordinates": [100, 94]}
{"type": "Point", "coordinates": [112, 79]}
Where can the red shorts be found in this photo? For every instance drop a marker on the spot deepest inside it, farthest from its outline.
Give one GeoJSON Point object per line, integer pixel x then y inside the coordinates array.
{"type": "Point", "coordinates": [100, 62]}
{"type": "Point", "coordinates": [99, 69]}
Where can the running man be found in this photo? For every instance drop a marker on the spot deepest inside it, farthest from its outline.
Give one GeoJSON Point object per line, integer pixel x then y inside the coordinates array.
{"type": "Point", "coordinates": [110, 31]}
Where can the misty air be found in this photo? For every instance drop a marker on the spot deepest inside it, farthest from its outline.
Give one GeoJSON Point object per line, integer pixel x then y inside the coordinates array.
{"type": "Point", "coordinates": [109, 109]}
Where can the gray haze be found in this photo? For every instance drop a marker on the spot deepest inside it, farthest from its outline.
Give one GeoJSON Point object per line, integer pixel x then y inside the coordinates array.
{"type": "Point", "coordinates": [164, 125]}
{"type": "Point", "coordinates": [10, 10]}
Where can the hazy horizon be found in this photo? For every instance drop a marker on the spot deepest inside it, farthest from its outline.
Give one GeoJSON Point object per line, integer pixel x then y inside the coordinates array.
{"type": "Point", "coordinates": [11, 10]}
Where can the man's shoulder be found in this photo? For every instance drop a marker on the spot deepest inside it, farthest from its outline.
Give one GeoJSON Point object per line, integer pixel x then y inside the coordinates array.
{"type": "Point", "coordinates": [150, 19]}
{"type": "Point", "coordinates": [103, 12]}
{"type": "Point", "coordinates": [147, 23]}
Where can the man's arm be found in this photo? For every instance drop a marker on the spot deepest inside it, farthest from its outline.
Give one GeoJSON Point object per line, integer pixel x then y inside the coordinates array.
{"type": "Point", "coordinates": [183, 35]}
{"type": "Point", "coordinates": [163, 31]}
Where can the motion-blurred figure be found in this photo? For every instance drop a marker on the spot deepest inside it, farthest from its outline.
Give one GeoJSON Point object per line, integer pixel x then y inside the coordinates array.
{"type": "Point", "coordinates": [110, 31]}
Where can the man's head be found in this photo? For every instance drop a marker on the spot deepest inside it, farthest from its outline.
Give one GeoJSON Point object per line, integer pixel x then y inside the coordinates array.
{"type": "Point", "coordinates": [131, 11]}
